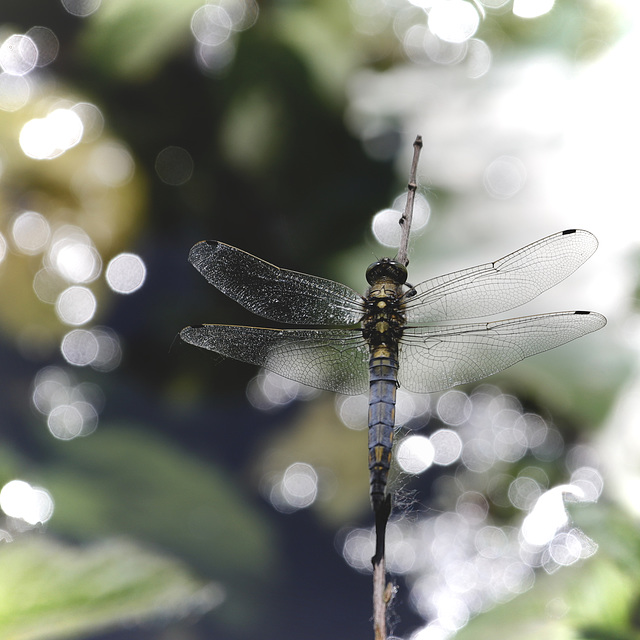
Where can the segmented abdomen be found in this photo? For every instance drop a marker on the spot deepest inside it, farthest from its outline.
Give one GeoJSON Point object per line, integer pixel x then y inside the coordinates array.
{"type": "Point", "coordinates": [382, 413]}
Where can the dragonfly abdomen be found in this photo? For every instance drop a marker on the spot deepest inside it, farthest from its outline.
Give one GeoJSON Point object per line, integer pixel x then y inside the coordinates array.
{"type": "Point", "coordinates": [382, 329]}
{"type": "Point", "coordinates": [382, 415]}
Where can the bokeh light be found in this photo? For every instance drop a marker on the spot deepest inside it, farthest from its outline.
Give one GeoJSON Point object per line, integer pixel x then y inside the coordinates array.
{"type": "Point", "coordinates": [268, 391]}
{"type": "Point", "coordinates": [400, 552]}
{"type": "Point", "coordinates": [80, 347]}
{"type": "Point", "coordinates": [447, 446]}
{"type": "Point", "coordinates": [504, 177]}
{"type": "Point", "coordinates": [126, 273]}
{"type": "Point", "coordinates": [48, 285]}
{"type": "Point", "coordinates": [495, 4]}
{"type": "Point", "coordinates": [76, 305]}
{"type": "Point", "coordinates": [30, 231]}
{"type": "Point", "coordinates": [453, 20]}
{"type": "Point", "coordinates": [92, 120]}
{"type": "Point", "coordinates": [385, 224]}
{"type": "Point", "coordinates": [174, 165]}
{"type": "Point", "coordinates": [353, 411]}
{"type": "Point", "coordinates": [33, 505]}
{"type": "Point", "coordinates": [49, 137]}
{"type": "Point", "coordinates": [296, 488]}
{"type": "Point", "coordinates": [589, 481]}
{"type": "Point", "coordinates": [423, 47]}
{"type": "Point", "coordinates": [547, 516]}
{"type": "Point", "coordinates": [300, 485]}
{"type": "Point", "coordinates": [215, 58]}
{"type": "Point", "coordinates": [71, 409]}
{"type": "Point", "coordinates": [211, 24]}
{"type": "Point", "coordinates": [112, 164]}
{"type": "Point", "coordinates": [109, 350]}
{"type": "Point", "coordinates": [454, 407]}
{"type": "Point", "coordinates": [214, 27]}
{"type": "Point", "coordinates": [421, 210]}
{"type": "Point", "coordinates": [385, 227]}
{"type": "Point", "coordinates": [68, 421]}
{"type": "Point", "coordinates": [478, 58]}
{"type": "Point", "coordinates": [358, 548]}
{"type": "Point", "coordinates": [73, 256]}
{"type": "Point", "coordinates": [415, 454]}
{"type": "Point", "coordinates": [18, 55]}
{"type": "Point", "coordinates": [15, 92]}
{"type": "Point", "coordinates": [46, 43]}
{"type": "Point", "coordinates": [81, 8]}
{"type": "Point", "coordinates": [524, 492]}
{"type": "Point", "coordinates": [532, 8]}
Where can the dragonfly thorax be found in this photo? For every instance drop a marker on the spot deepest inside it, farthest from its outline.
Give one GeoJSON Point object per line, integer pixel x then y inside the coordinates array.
{"type": "Point", "coordinates": [386, 269]}
{"type": "Point", "coordinates": [384, 315]}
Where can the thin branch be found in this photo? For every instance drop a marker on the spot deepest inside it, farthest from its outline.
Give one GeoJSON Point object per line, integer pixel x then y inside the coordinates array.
{"type": "Point", "coordinates": [407, 216]}
{"type": "Point", "coordinates": [380, 588]}
{"type": "Point", "coordinates": [383, 592]}
{"type": "Point", "coordinates": [379, 601]}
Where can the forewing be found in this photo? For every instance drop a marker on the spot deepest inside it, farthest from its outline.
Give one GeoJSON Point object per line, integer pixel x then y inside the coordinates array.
{"type": "Point", "coordinates": [274, 293]}
{"type": "Point", "coordinates": [438, 358]}
{"type": "Point", "coordinates": [501, 285]}
{"type": "Point", "coordinates": [332, 359]}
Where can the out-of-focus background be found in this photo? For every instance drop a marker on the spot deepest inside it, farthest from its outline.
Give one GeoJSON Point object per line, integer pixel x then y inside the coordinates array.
{"type": "Point", "coordinates": [149, 490]}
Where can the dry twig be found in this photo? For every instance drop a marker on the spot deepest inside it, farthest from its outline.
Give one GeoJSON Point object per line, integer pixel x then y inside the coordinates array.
{"type": "Point", "coordinates": [407, 216]}
{"type": "Point", "coordinates": [382, 592]}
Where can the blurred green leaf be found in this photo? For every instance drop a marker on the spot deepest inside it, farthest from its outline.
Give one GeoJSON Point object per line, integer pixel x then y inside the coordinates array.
{"type": "Point", "coordinates": [594, 598]}
{"type": "Point", "coordinates": [129, 482]}
{"type": "Point", "coordinates": [134, 39]}
{"type": "Point", "coordinates": [595, 594]}
{"type": "Point", "coordinates": [50, 590]}
{"type": "Point", "coordinates": [317, 436]}
{"type": "Point", "coordinates": [616, 533]}
{"type": "Point", "coordinates": [123, 481]}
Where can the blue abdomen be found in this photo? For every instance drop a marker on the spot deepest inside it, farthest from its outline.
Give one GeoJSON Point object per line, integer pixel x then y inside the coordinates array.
{"type": "Point", "coordinates": [382, 413]}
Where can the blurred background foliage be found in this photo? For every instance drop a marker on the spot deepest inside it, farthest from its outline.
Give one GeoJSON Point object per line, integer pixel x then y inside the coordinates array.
{"type": "Point", "coordinates": [145, 484]}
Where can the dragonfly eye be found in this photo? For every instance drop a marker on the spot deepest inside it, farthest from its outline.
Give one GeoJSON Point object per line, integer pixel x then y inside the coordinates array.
{"type": "Point", "coordinates": [387, 269]}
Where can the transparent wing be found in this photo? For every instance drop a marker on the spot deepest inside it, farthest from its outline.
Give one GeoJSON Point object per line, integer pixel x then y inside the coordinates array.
{"type": "Point", "coordinates": [274, 293]}
{"type": "Point", "coordinates": [437, 358]}
{"type": "Point", "coordinates": [501, 285]}
{"type": "Point", "coordinates": [332, 359]}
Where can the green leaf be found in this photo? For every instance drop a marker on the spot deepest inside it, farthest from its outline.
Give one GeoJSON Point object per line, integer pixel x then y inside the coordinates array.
{"type": "Point", "coordinates": [125, 481]}
{"type": "Point", "coordinates": [594, 598]}
{"type": "Point", "coordinates": [135, 39]}
{"type": "Point", "coordinates": [595, 594]}
{"type": "Point", "coordinates": [49, 590]}
{"type": "Point", "coordinates": [128, 481]}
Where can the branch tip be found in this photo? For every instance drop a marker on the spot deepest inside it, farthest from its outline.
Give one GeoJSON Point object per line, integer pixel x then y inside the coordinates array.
{"type": "Point", "coordinates": [407, 216]}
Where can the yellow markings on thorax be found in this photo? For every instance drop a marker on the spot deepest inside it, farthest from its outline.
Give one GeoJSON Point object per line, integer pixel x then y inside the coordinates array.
{"type": "Point", "coordinates": [381, 351]}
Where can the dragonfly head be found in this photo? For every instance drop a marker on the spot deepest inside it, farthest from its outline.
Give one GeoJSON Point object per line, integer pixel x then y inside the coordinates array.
{"type": "Point", "coordinates": [387, 269]}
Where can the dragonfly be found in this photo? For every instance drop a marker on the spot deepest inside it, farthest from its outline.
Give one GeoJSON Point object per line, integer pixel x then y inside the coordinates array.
{"type": "Point", "coordinates": [396, 334]}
